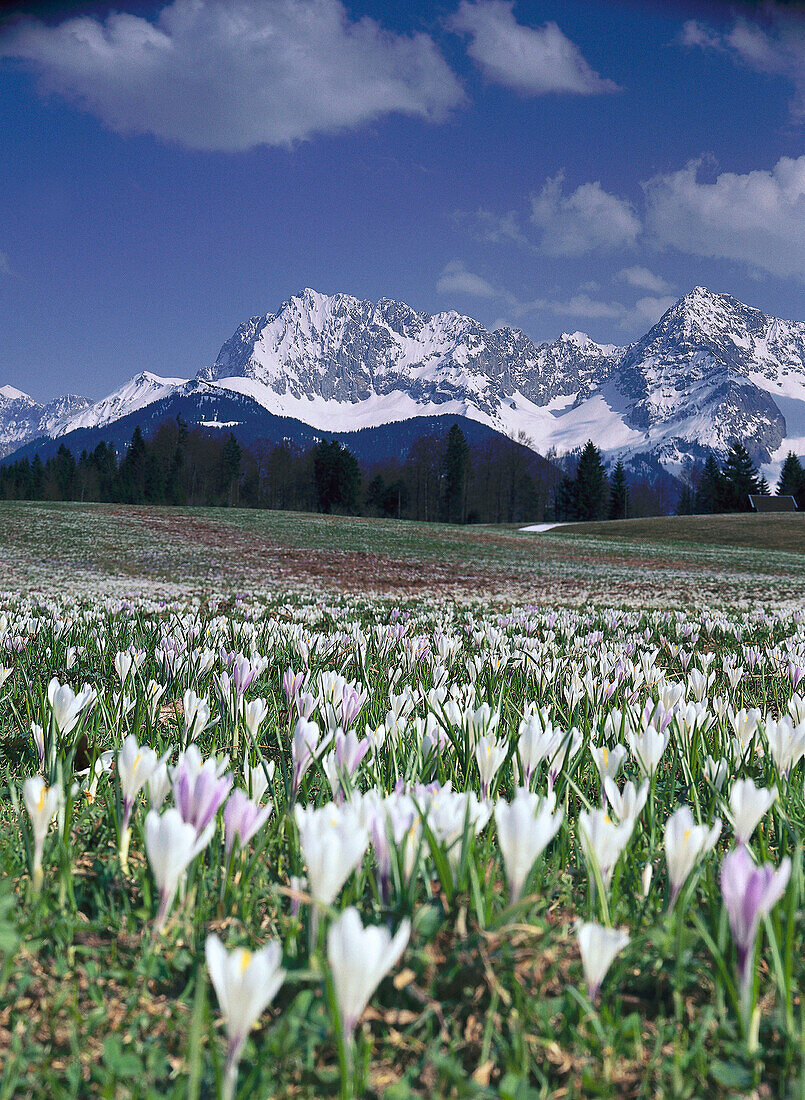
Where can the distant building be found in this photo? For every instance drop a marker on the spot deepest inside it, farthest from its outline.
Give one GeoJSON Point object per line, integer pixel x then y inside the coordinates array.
{"type": "Point", "coordinates": [772, 504]}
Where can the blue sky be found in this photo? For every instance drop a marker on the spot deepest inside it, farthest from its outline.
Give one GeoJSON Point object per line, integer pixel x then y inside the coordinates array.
{"type": "Point", "coordinates": [170, 170]}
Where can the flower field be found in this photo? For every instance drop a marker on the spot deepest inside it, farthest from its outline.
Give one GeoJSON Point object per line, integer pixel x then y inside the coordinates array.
{"type": "Point", "coordinates": [503, 841]}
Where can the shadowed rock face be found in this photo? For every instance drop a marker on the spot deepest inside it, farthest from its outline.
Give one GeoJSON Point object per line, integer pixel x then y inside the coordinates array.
{"type": "Point", "coordinates": [705, 375]}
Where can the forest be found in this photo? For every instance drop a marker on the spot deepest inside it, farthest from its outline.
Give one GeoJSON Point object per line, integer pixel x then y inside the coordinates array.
{"type": "Point", "coordinates": [443, 478]}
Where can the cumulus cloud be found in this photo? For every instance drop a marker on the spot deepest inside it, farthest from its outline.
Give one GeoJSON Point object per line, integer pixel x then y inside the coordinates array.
{"type": "Point", "coordinates": [777, 48]}
{"type": "Point", "coordinates": [757, 218]}
{"type": "Point", "coordinates": [532, 60]}
{"type": "Point", "coordinates": [456, 279]}
{"type": "Point", "coordinates": [233, 74]}
{"type": "Point", "coordinates": [586, 220]}
{"type": "Point", "coordinates": [643, 279]}
{"type": "Point", "coordinates": [637, 318]}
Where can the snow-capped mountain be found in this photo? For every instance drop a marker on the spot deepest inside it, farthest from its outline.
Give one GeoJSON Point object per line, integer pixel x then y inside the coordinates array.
{"type": "Point", "coordinates": [710, 371]}
{"type": "Point", "coordinates": [22, 418]}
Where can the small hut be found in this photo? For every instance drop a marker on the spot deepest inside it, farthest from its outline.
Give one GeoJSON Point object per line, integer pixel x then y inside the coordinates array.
{"type": "Point", "coordinates": [772, 504]}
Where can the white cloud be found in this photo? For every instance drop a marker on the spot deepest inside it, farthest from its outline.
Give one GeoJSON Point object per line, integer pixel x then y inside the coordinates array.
{"type": "Point", "coordinates": [456, 279]}
{"type": "Point", "coordinates": [757, 218]}
{"type": "Point", "coordinates": [643, 279]}
{"type": "Point", "coordinates": [532, 60]}
{"type": "Point", "coordinates": [588, 219]}
{"type": "Point", "coordinates": [233, 74]}
{"type": "Point", "coordinates": [778, 48]}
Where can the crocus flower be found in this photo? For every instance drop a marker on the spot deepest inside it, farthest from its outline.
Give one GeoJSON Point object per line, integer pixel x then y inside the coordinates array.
{"type": "Point", "coordinates": [607, 761]}
{"type": "Point", "coordinates": [159, 785]}
{"type": "Point", "coordinates": [135, 766]}
{"type": "Point", "coordinates": [603, 840]}
{"type": "Point", "coordinates": [598, 946]}
{"type": "Point", "coordinates": [245, 983]}
{"type": "Point", "coordinates": [333, 842]}
{"type": "Point", "coordinates": [196, 711]}
{"type": "Point", "coordinates": [67, 705]}
{"type": "Point", "coordinates": [626, 805]}
{"type": "Point", "coordinates": [199, 791]}
{"type": "Point", "coordinates": [359, 959]}
{"type": "Point", "coordinates": [525, 828]}
{"type": "Point", "coordinates": [38, 735]}
{"type": "Point", "coordinates": [748, 804]}
{"type": "Point", "coordinates": [749, 892]}
{"type": "Point", "coordinates": [171, 845]}
{"type": "Point", "coordinates": [685, 844]}
{"type": "Point", "coordinates": [243, 819]}
{"type": "Point", "coordinates": [647, 748]}
{"type": "Point", "coordinates": [489, 756]}
{"type": "Point", "coordinates": [42, 803]}
{"type": "Point", "coordinates": [305, 747]}
{"type": "Point", "coordinates": [786, 743]}
{"type": "Point", "coordinates": [254, 714]}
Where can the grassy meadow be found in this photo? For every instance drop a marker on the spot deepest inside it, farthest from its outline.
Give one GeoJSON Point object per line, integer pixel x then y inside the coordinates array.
{"type": "Point", "coordinates": [305, 806]}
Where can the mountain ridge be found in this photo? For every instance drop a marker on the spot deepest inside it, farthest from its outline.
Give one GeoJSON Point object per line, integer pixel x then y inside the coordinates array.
{"type": "Point", "coordinates": [711, 370]}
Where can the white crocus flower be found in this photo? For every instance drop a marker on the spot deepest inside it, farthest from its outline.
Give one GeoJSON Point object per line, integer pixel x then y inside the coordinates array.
{"type": "Point", "coordinates": [245, 982]}
{"type": "Point", "coordinates": [67, 706]}
{"type": "Point", "coordinates": [626, 805]}
{"type": "Point", "coordinates": [359, 958]}
{"type": "Point", "coordinates": [748, 804]}
{"type": "Point", "coordinates": [254, 714]}
{"type": "Point", "coordinates": [135, 766]}
{"type": "Point", "coordinates": [786, 743]}
{"type": "Point", "coordinates": [196, 715]}
{"type": "Point", "coordinates": [525, 828]}
{"type": "Point", "coordinates": [171, 845]}
{"type": "Point", "coordinates": [42, 803]}
{"type": "Point", "coordinates": [685, 844]}
{"type": "Point", "coordinates": [598, 946]}
{"type": "Point", "coordinates": [607, 761]}
{"type": "Point", "coordinates": [333, 842]}
{"type": "Point", "coordinates": [647, 749]}
{"type": "Point", "coordinates": [715, 771]}
{"type": "Point", "coordinates": [489, 756]}
{"type": "Point", "coordinates": [603, 841]}
{"type": "Point", "coordinates": [159, 785]}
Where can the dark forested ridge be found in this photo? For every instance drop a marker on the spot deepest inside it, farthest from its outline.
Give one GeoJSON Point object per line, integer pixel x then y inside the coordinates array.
{"type": "Point", "coordinates": [453, 471]}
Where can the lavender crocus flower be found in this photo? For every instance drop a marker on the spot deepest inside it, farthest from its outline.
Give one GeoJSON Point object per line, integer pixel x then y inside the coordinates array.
{"type": "Point", "coordinates": [750, 892]}
{"type": "Point", "coordinates": [243, 819]}
{"type": "Point", "coordinates": [292, 683]}
{"type": "Point", "coordinates": [351, 703]}
{"type": "Point", "coordinates": [243, 674]}
{"type": "Point", "coordinates": [199, 792]}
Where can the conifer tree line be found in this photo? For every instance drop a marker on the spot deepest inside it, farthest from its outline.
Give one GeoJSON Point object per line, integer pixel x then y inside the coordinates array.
{"type": "Point", "coordinates": [442, 479]}
{"type": "Point", "coordinates": [714, 488]}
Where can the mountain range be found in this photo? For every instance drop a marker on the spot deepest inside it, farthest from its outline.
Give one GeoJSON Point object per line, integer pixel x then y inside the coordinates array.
{"type": "Point", "coordinates": [710, 371]}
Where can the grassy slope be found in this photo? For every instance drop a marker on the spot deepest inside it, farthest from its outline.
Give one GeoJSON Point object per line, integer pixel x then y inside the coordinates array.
{"type": "Point", "coordinates": [237, 549]}
{"type": "Point", "coordinates": [784, 531]}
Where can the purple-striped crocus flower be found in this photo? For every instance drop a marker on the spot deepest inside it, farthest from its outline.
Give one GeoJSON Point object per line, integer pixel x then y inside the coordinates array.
{"type": "Point", "coordinates": [750, 892]}
{"type": "Point", "coordinates": [199, 792]}
{"type": "Point", "coordinates": [243, 819]}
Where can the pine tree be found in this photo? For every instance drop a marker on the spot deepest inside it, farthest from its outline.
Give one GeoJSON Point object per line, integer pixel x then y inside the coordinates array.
{"type": "Point", "coordinates": [711, 491]}
{"type": "Point", "coordinates": [592, 488]}
{"type": "Point", "coordinates": [740, 477]}
{"type": "Point", "coordinates": [763, 487]}
{"type": "Point", "coordinates": [619, 493]}
{"type": "Point", "coordinates": [456, 475]}
{"type": "Point", "coordinates": [792, 480]}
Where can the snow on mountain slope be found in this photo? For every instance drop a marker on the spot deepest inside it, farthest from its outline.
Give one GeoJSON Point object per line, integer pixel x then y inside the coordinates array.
{"type": "Point", "coordinates": [710, 371]}
{"type": "Point", "coordinates": [22, 418]}
{"type": "Point", "coordinates": [143, 390]}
